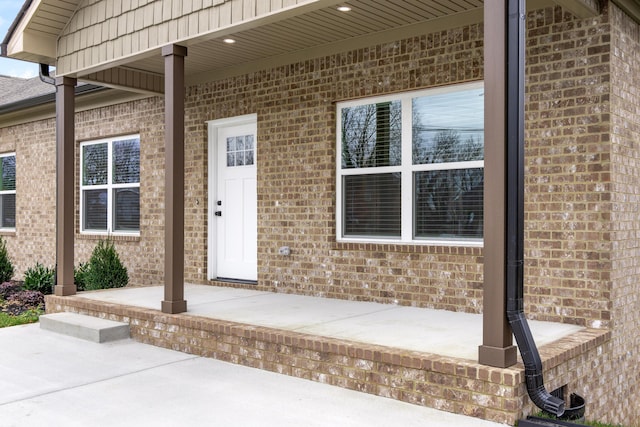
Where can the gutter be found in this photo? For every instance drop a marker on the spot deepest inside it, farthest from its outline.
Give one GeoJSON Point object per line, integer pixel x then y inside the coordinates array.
{"type": "Point", "coordinates": [514, 274]}
{"type": "Point", "coordinates": [12, 28]}
{"type": "Point", "coordinates": [46, 99]}
{"type": "Point", "coordinates": [49, 97]}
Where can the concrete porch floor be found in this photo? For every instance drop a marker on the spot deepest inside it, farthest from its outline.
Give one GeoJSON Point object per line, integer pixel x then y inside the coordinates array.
{"type": "Point", "coordinates": [415, 355]}
{"type": "Point", "coordinates": [415, 329]}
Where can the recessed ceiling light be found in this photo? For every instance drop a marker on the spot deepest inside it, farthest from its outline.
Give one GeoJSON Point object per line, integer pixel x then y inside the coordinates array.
{"type": "Point", "coordinates": [344, 8]}
{"type": "Point", "coordinates": [229, 41]}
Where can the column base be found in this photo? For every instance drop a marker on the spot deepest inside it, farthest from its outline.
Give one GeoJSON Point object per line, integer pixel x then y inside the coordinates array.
{"type": "Point", "coordinates": [498, 357]}
{"type": "Point", "coordinates": [174, 307]}
{"type": "Point", "coordinates": [64, 290]}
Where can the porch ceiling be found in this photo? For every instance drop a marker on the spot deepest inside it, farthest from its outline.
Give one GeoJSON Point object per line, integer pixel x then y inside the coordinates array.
{"type": "Point", "coordinates": [317, 29]}
{"type": "Point", "coordinates": [322, 27]}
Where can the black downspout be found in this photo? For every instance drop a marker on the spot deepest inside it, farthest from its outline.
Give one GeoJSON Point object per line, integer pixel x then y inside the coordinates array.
{"type": "Point", "coordinates": [45, 77]}
{"type": "Point", "coordinates": [515, 212]}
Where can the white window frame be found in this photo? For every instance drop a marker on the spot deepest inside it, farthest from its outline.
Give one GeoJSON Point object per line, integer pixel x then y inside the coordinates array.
{"type": "Point", "coordinates": [110, 187]}
{"type": "Point", "coordinates": [3, 192]}
{"type": "Point", "coordinates": [406, 169]}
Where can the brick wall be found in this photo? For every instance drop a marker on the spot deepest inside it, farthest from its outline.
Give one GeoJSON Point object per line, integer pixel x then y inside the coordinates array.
{"type": "Point", "coordinates": [295, 105]}
{"type": "Point", "coordinates": [625, 221]}
{"type": "Point", "coordinates": [567, 193]}
{"type": "Point", "coordinates": [34, 144]}
{"type": "Point", "coordinates": [34, 239]}
{"type": "Point", "coordinates": [567, 176]}
{"type": "Point", "coordinates": [144, 255]}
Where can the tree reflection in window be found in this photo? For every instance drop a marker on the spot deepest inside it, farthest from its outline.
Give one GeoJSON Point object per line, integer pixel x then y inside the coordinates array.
{"type": "Point", "coordinates": [371, 135]}
{"type": "Point", "coordinates": [435, 191]}
{"type": "Point", "coordinates": [110, 185]}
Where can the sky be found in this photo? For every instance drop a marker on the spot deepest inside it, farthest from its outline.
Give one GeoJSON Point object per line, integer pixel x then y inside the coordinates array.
{"type": "Point", "coordinates": [10, 67]}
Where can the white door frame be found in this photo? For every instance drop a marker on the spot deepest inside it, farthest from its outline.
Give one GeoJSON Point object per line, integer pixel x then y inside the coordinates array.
{"type": "Point", "coordinates": [213, 126]}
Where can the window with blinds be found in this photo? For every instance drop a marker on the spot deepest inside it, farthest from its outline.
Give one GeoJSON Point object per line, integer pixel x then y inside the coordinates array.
{"type": "Point", "coordinates": [8, 191]}
{"type": "Point", "coordinates": [110, 185]}
{"type": "Point", "coordinates": [411, 166]}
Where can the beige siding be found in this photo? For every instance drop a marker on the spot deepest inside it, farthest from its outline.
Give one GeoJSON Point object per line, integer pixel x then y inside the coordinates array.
{"type": "Point", "coordinates": [109, 30]}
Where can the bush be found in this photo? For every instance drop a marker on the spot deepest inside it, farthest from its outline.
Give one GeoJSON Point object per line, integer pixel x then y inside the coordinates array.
{"type": "Point", "coordinates": [39, 278]}
{"type": "Point", "coordinates": [105, 269]}
{"type": "Point", "coordinates": [80, 276]}
{"type": "Point", "coordinates": [29, 299]}
{"type": "Point", "coordinates": [6, 268]}
{"type": "Point", "coordinates": [7, 289]}
{"type": "Point", "coordinates": [23, 301]}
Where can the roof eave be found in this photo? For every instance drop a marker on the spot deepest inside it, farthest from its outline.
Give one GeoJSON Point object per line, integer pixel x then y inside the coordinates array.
{"type": "Point", "coordinates": [13, 26]}
{"type": "Point", "coordinates": [46, 98]}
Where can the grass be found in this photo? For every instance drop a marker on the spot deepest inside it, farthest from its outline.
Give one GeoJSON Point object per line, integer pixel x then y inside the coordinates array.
{"type": "Point", "coordinates": [29, 316]}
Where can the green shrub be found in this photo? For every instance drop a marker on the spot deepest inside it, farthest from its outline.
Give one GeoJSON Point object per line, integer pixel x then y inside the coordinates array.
{"type": "Point", "coordinates": [80, 276]}
{"type": "Point", "coordinates": [6, 267]}
{"type": "Point", "coordinates": [39, 278]}
{"type": "Point", "coordinates": [105, 269]}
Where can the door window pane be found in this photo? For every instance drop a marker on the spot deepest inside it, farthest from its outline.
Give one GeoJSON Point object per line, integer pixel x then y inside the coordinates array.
{"type": "Point", "coordinates": [240, 151]}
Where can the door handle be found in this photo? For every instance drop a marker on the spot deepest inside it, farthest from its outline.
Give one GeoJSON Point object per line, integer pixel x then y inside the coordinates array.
{"type": "Point", "coordinates": [218, 213]}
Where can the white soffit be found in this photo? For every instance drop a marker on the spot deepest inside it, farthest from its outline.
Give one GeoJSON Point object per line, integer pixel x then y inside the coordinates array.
{"type": "Point", "coordinates": [35, 37]}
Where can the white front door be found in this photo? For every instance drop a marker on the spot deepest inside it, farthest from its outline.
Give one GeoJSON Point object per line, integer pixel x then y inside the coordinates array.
{"type": "Point", "coordinates": [233, 228]}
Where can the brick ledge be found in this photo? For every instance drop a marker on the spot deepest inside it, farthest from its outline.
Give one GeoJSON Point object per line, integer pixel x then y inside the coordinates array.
{"type": "Point", "coordinates": [445, 383]}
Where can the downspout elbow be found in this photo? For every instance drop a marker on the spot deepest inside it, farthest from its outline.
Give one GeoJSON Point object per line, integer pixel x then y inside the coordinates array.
{"type": "Point", "coordinates": [45, 77]}
{"type": "Point", "coordinates": [533, 365]}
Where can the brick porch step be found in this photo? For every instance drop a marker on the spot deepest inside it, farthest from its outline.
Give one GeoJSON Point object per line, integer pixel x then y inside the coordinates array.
{"type": "Point", "coordinates": [85, 327]}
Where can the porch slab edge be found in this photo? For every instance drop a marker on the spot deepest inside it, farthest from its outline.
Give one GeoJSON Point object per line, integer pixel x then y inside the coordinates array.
{"type": "Point", "coordinates": [427, 379]}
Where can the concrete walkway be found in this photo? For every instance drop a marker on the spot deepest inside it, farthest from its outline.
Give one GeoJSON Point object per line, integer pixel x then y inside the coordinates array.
{"type": "Point", "coordinates": [48, 379]}
{"type": "Point", "coordinates": [433, 331]}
